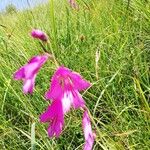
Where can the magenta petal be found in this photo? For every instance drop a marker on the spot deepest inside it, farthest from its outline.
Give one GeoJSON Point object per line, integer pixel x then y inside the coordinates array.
{"type": "Point", "coordinates": [78, 101]}
{"type": "Point", "coordinates": [79, 83]}
{"type": "Point", "coordinates": [54, 109]}
{"type": "Point", "coordinates": [47, 115]}
{"type": "Point", "coordinates": [55, 89]}
{"type": "Point", "coordinates": [34, 59]}
{"type": "Point", "coordinates": [55, 128]}
{"type": "Point", "coordinates": [64, 80]}
{"type": "Point", "coordinates": [88, 134]}
{"type": "Point", "coordinates": [63, 71]}
{"type": "Point", "coordinates": [29, 71]}
{"type": "Point", "coordinates": [34, 64]}
{"type": "Point", "coordinates": [54, 114]}
{"type": "Point", "coordinates": [40, 59]}
{"type": "Point", "coordinates": [19, 74]}
{"type": "Point", "coordinates": [44, 117]}
{"type": "Point", "coordinates": [54, 92]}
{"type": "Point", "coordinates": [29, 85]}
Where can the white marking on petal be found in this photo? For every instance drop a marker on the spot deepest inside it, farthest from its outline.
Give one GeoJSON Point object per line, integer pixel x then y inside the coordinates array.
{"type": "Point", "coordinates": [27, 86]}
{"type": "Point", "coordinates": [67, 101]}
{"type": "Point", "coordinates": [88, 134]}
{"type": "Point", "coordinates": [87, 130]}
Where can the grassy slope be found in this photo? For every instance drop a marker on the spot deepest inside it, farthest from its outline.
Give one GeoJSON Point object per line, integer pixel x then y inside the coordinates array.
{"type": "Point", "coordinates": [118, 99]}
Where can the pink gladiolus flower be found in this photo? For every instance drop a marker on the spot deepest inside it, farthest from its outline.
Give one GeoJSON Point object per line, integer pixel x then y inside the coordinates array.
{"type": "Point", "coordinates": [66, 85]}
{"type": "Point", "coordinates": [88, 134]}
{"type": "Point", "coordinates": [73, 4]}
{"type": "Point", "coordinates": [38, 34]}
{"type": "Point", "coordinates": [64, 92]}
{"type": "Point", "coordinates": [28, 72]}
{"type": "Point", "coordinates": [54, 115]}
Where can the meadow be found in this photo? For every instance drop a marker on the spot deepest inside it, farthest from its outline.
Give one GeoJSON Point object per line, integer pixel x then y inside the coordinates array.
{"type": "Point", "coordinates": [119, 98]}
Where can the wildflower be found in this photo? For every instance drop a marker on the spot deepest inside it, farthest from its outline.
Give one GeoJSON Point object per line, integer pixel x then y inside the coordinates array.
{"type": "Point", "coordinates": [38, 34]}
{"type": "Point", "coordinates": [63, 92]}
{"type": "Point", "coordinates": [66, 86]}
{"type": "Point", "coordinates": [88, 134]}
{"type": "Point", "coordinates": [73, 4]}
{"type": "Point", "coordinates": [28, 72]}
{"type": "Point", "coordinates": [54, 114]}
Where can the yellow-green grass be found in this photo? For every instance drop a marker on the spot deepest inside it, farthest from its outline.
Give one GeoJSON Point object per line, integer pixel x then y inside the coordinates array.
{"type": "Point", "coordinates": [120, 93]}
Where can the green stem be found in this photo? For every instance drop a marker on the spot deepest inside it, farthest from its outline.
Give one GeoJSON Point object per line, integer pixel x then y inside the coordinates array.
{"type": "Point", "coordinates": [52, 13]}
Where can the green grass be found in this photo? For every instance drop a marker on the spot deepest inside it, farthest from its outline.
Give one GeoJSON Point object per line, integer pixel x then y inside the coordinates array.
{"type": "Point", "coordinates": [120, 94]}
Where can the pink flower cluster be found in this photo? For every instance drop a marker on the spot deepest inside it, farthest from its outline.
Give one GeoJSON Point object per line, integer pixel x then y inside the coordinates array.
{"type": "Point", "coordinates": [28, 72]}
{"type": "Point", "coordinates": [64, 93]}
